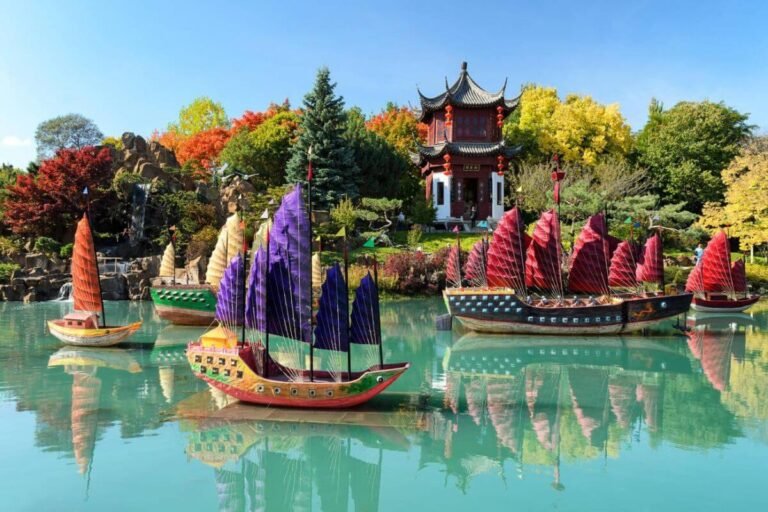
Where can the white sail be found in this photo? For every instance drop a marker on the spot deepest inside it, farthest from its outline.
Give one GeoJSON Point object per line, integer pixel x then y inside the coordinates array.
{"type": "Point", "coordinates": [317, 271]}
{"type": "Point", "coordinates": [168, 263]}
{"type": "Point", "coordinates": [229, 245]}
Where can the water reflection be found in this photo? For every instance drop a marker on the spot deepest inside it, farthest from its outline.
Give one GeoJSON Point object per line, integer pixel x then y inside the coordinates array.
{"type": "Point", "coordinates": [471, 407]}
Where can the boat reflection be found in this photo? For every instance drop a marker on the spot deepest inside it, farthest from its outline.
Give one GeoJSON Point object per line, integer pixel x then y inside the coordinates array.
{"type": "Point", "coordinates": [714, 340]}
{"type": "Point", "coordinates": [275, 465]}
{"type": "Point", "coordinates": [84, 364]}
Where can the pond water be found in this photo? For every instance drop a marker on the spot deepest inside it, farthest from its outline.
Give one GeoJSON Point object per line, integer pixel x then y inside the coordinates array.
{"type": "Point", "coordinates": [664, 422]}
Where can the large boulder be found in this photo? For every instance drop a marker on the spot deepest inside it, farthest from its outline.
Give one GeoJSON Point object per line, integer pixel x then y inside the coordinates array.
{"type": "Point", "coordinates": [36, 260]}
{"type": "Point", "coordinates": [234, 195]}
{"type": "Point", "coordinates": [137, 283]}
{"type": "Point", "coordinates": [113, 286]}
{"type": "Point", "coordinates": [148, 264]}
{"type": "Point", "coordinates": [12, 292]}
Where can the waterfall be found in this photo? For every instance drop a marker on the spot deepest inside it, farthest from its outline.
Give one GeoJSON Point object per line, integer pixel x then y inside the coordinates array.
{"type": "Point", "coordinates": [65, 292]}
{"type": "Point", "coordinates": [140, 197]}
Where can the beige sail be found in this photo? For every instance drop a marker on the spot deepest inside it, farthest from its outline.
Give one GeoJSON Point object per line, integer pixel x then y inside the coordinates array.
{"type": "Point", "coordinates": [260, 237]}
{"type": "Point", "coordinates": [317, 271]}
{"type": "Point", "coordinates": [229, 244]}
{"type": "Point", "coordinates": [168, 263]}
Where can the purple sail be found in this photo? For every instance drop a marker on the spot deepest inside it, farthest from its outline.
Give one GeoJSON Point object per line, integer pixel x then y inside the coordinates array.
{"type": "Point", "coordinates": [332, 329]}
{"type": "Point", "coordinates": [366, 322]}
{"type": "Point", "coordinates": [290, 265]}
{"type": "Point", "coordinates": [255, 297]}
{"type": "Point", "coordinates": [231, 297]}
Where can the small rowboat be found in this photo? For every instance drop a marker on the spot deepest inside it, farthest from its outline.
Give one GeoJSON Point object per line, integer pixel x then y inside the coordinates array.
{"type": "Point", "coordinates": [81, 327]}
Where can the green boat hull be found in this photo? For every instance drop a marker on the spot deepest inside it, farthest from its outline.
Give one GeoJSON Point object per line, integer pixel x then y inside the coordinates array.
{"type": "Point", "coordinates": [185, 304]}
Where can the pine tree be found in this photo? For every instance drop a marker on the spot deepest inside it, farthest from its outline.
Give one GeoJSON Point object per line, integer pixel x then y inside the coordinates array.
{"type": "Point", "coordinates": [335, 173]}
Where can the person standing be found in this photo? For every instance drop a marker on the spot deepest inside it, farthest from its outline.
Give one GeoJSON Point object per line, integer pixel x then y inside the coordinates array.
{"type": "Point", "coordinates": [698, 252]}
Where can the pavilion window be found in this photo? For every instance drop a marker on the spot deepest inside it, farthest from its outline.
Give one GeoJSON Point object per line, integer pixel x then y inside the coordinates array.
{"type": "Point", "coordinates": [440, 193]}
{"type": "Point", "coordinates": [498, 193]}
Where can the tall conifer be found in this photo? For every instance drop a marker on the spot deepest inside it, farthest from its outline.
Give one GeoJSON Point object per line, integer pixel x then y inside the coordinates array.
{"type": "Point", "coordinates": [335, 173]}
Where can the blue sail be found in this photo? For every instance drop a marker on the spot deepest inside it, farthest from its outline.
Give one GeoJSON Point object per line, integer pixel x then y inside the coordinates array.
{"type": "Point", "coordinates": [289, 278]}
{"type": "Point", "coordinates": [231, 296]}
{"type": "Point", "coordinates": [255, 297]}
{"type": "Point", "coordinates": [332, 329]}
{"type": "Point", "coordinates": [366, 322]}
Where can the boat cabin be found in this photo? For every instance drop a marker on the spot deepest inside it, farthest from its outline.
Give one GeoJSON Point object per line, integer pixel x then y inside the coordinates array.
{"type": "Point", "coordinates": [81, 320]}
{"type": "Point", "coordinates": [465, 157]}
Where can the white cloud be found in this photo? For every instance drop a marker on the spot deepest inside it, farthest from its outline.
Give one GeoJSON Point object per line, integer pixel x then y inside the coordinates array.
{"type": "Point", "coordinates": [14, 141]}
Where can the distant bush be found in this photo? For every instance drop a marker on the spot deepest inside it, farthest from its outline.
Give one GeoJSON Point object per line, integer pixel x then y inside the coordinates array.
{"type": "Point", "coordinates": [46, 245]}
{"type": "Point", "coordinates": [417, 272]}
{"type": "Point", "coordinates": [202, 242]}
{"type": "Point", "coordinates": [66, 251]}
{"type": "Point", "coordinates": [414, 235]}
{"type": "Point", "coordinates": [6, 270]}
{"type": "Point", "coordinates": [10, 247]}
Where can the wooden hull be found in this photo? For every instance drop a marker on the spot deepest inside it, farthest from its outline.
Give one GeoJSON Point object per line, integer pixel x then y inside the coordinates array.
{"type": "Point", "coordinates": [99, 337]}
{"type": "Point", "coordinates": [231, 371]}
{"type": "Point", "coordinates": [501, 311]}
{"type": "Point", "coordinates": [724, 305]}
{"type": "Point", "coordinates": [185, 304]}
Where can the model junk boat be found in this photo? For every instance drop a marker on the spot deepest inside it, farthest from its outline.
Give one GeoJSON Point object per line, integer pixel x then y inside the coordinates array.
{"type": "Point", "coordinates": [717, 285]}
{"type": "Point", "coordinates": [277, 301]}
{"type": "Point", "coordinates": [194, 303]}
{"type": "Point", "coordinates": [81, 327]}
{"type": "Point", "coordinates": [517, 284]}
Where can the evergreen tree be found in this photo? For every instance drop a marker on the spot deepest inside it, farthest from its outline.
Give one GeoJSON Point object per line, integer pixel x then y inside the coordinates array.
{"type": "Point", "coordinates": [335, 174]}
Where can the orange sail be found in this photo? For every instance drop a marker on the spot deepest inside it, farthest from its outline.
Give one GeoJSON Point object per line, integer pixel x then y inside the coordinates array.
{"type": "Point", "coordinates": [86, 289]}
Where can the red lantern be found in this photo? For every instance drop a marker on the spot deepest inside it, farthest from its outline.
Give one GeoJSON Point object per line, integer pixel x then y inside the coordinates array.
{"type": "Point", "coordinates": [448, 115]}
{"type": "Point", "coordinates": [447, 165]}
{"type": "Point", "coordinates": [500, 164]}
{"type": "Point", "coordinates": [499, 116]}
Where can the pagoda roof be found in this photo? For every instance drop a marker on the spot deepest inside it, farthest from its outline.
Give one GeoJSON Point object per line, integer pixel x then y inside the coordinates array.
{"type": "Point", "coordinates": [465, 149]}
{"type": "Point", "coordinates": [465, 92]}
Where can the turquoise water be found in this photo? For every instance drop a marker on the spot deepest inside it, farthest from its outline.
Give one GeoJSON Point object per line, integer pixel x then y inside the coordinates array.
{"type": "Point", "coordinates": [478, 423]}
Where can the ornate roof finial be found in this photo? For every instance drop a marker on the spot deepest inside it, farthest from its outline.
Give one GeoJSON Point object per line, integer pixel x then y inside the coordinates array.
{"type": "Point", "coordinates": [464, 67]}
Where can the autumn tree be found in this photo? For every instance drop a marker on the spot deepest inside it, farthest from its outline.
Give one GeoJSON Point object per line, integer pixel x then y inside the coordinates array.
{"type": "Point", "coordinates": [201, 115]}
{"type": "Point", "coordinates": [399, 126]}
{"type": "Point", "coordinates": [686, 147]}
{"type": "Point", "coordinates": [580, 129]}
{"type": "Point", "coordinates": [199, 153]}
{"type": "Point", "coordinates": [251, 120]}
{"type": "Point", "coordinates": [322, 129]}
{"type": "Point", "coordinates": [68, 131]}
{"type": "Point", "coordinates": [745, 205]}
{"type": "Point", "coordinates": [263, 152]}
{"type": "Point", "coordinates": [48, 204]}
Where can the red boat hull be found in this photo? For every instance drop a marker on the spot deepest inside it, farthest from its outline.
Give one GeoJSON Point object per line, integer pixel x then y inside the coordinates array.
{"type": "Point", "coordinates": [723, 305]}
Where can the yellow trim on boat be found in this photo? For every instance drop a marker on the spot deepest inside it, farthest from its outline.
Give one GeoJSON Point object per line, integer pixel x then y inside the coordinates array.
{"type": "Point", "coordinates": [91, 333]}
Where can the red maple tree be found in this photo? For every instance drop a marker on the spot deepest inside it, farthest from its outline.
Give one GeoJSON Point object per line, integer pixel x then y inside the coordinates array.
{"type": "Point", "coordinates": [48, 204]}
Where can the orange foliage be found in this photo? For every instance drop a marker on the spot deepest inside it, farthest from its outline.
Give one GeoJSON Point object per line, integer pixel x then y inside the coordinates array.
{"type": "Point", "coordinates": [251, 120]}
{"type": "Point", "coordinates": [398, 126]}
{"type": "Point", "coordinates": [202, 150]}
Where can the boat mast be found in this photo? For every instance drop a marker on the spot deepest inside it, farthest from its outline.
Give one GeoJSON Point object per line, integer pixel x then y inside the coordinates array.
{"type": "Point", "coordinates": [309, 205]}
{"type": "Point", "coordinates": [245, 266]}
{"type": "Point", "coordinates": [377, 318]}
{"type": "Point", "coordinates": [266, 299]}
{"type": "Point", "coordinates": [558, 175]}
{"type": "Point", "coordinates": [346, 286]}
{"type": "Point", "coordinates": [95, 258]}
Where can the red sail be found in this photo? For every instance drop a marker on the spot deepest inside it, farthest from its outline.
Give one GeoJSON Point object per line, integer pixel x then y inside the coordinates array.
{"type": "Point", "coordinates": [474, 269]}
{"type": "Point", "coordinates": [452, 274]}
{"type": "Point", "coordinates": [716, 265]}
{"type": "Point", "coordinates": [506, 253]}
{"type": "Point", "coordinates": [739, 276]}
{"type": "Point", "coordinates": [650, 268]}
{"type": "Point", "coordinates": [621, 273]}
{"type": "Point", "coordinates": [542, 259]}
{"type": "Point", "coordinates": [694, 283]}
{"type": "Point", "coordinates": [86, 289]}
{"type": "Point", "coordinates": [588, 272]}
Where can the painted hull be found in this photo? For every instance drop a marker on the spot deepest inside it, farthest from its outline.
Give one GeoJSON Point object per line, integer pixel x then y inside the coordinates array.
{"type": "Point", "coordinates": [185, 304]}
{"type": "Point", "coordinates": [99, 337]}
{"type": "Point", "coordinates": [724, 305]}
{"type": "Point", "coordinates": [231, 371]}
{"type": "Point", "coordinates": [501, 311]}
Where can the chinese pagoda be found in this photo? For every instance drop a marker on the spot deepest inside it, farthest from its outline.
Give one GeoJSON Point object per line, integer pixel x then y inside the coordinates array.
{"type": "Point", "coordinates": [465, 157]}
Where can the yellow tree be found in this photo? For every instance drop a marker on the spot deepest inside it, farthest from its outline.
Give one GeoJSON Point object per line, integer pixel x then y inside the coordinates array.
{"type": "Point", "coordinates": [745, 207]}
{"type": "Point", "coordinates": [580, 129]}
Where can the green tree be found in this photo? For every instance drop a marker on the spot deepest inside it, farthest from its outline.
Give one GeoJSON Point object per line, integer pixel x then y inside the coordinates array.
{"type": "Point", "coordinates": [69, 131]}
{"type": "Point", "coordinates": [264, 152]}
{"type": "Point", "coordinates": [686, 147]}
{"type": "Point", "coordinates": [382, 166]}
{"type": "Point", "coordinates": [200, 115]}
{"type": "Point", "coordinates": [322, 129]}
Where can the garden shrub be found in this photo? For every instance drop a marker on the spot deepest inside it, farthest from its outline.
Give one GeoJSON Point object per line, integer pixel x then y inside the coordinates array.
{"type": "Point", "coordinates": [202, 242]}
{"type": "Point", "coordinates": [47, 245]}
{"type": "Point", "coordinates": [66, 251]}
{"type": "Point", "coordinates": [6, 270]}
{"type": "Point", "coordinates": [414, 235]}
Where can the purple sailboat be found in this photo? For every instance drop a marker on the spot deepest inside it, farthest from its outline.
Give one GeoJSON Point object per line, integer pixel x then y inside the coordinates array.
{"type": "Point", "coordinates": [275, 301]}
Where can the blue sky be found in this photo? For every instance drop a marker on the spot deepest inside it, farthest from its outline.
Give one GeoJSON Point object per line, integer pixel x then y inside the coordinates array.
{"type": "Point", "coordinates": [130, 66]}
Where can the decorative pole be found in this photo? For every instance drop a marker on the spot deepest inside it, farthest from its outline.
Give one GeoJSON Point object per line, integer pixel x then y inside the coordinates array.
{"type": "Point", "coordinates": [172, 229]}
{"type": "Point", "coordinates": [266, 298]}
{"type": "Point", "coordinates": [309, 204]}
{"type": "Point", "coordinates": [558, 175]}
{"type": "Point", "coordinates": [346, 290]}
{"type": "Point", "coordinates": [377, 317]}
{"type": "Point", "coordinates": [245, 265]}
